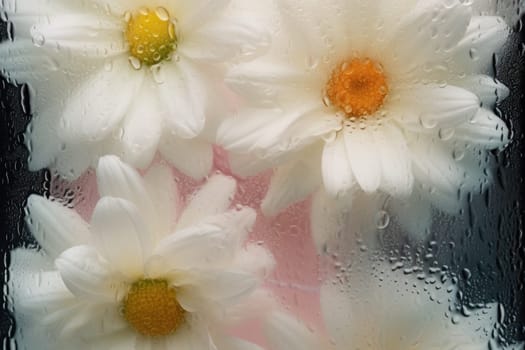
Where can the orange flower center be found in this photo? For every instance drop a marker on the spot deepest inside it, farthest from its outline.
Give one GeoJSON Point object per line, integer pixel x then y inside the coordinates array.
{"type": "Point", "coordinates": [151, 35]}
{"type": "Point", "coordinates": [152, 309]}
{"type": "Point", "coordinates": [358, 87]}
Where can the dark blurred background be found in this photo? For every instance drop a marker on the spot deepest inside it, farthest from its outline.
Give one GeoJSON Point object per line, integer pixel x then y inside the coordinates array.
{"type": "Point", "coordinates": [16, 184]}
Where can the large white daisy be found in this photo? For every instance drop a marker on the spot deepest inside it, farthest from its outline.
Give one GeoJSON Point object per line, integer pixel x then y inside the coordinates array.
{"type": "Point", "coordinates": [372, 97]}
{"type": "Point", "coordinates": [143, 274]}
{"type": "Point", "coordinates": [398, 313]}
{"type": "Point", "coordinates": [125, 77]}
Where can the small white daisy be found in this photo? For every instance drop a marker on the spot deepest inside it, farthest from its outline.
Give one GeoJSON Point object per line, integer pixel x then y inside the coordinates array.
{"type": "Point", "coordinates": [142, 274]}
{"type": "Point", "coordinates": [394, 314]}
{"type": "Point", "coordinates": [372, 96]}
{"type": "Point", "coordinates": [125, 77]}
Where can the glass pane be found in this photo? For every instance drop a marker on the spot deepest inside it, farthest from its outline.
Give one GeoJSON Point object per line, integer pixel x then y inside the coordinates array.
{"type": "Point", "coordinates": [283, 175]}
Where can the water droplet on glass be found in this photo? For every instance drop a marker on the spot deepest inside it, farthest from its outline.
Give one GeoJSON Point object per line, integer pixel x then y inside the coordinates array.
{"type": "Point", "coordinates": [312, 62]}
{"type": "Point", "coordinates": [382, 219]}
{"type": "Point", "coordinates": [473, 54]}
{"type": "Point", "coordinates": [171, 31]}
{"type": "Point", "coordinates": [157, 73]}
{"type": "Point", "coordinates": [428, 122]}
{"type": "Point", "coordinates": [326, 101]}
{"type": "Point", "coordinates": [135, 62]}
{"type": "Point", "coordinates": [38, 39]}
{"type": "Point", "coordinates": [446, 134]}
{"type": "Point", "coordinates": [162, 14]}
{"type": "Point", "coordinates": [108, 65]}
{"type": "Point", "coordinates": [458, 154]}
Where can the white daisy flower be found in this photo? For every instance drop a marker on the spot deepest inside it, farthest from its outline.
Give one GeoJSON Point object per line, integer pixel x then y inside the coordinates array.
{"type": "Point", "coordinates": [371, 96]}
{"type": "Point", "coordinates": [125, 77]}
{"type": "Point", "coordinates": [395, 314]}
{"type": "Point", "coordinates": [142, 274]}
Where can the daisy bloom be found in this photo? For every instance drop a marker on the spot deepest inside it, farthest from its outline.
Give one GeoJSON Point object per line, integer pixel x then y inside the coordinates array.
{"type": "Point", "coordinates": [125, 77]}
{"type": "Point", "coordinates": [135, 277]}
{"type": "Point", "coordinates": [376, 96]}
{"type": "Point", "coordinates": [394, 314]}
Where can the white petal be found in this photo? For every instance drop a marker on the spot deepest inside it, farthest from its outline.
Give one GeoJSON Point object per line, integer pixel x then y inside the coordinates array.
{"type": "Point", "coordinates": [55, 227]}
{"type": "Point", "coordinates": [255, 306]}
{"type": "Point", "coordinates": [38, 338]}
{"type": "Point", "coordinates": [85, 274]}
{"type": "Point", "coordinates": [95, 321]}
{"type": "Point", "coordinates": [96, 108]}
{"type": "Point", "coordinates": [336, 170]}
{"type": "Point", "coordinates": [314, 125]}
{"type": "Point", "coordinates": [397, 177]}
{"type": "Point", "coordinates": [433, 27]}
{"type": "Point", "coordinates": [437, 165]}
{"type": "Point", "coordinates": [196, 13]}
{"type": "Point", "coordinates": [461, 177]}
{"type": "Point", "coordinates": [255, 260]}
{"type": "Point", "coordinates": [83, 34]}
{"type": "Point", "coordinates": [263, 82]}
{"type": "Point", "coordinates": [488, 89]}
{"type": "Point", "coordinates": [434, 164]}
{"type": "Point", "coordinates": [117, 179]}
{"type": "Point", "coordinates": [309, 39]}
{"type": "Point", "coordinates": [150, 343]}
{"type": "Point", "coordinates": [121, 236]}
{"type": "Point", "coordinates": [286, 333]}
{"type": "Point", "coordinates": [185, 95]}
{"type": "Point", "coordinates": [141, 128]}
{"type": "Point", "coordinates": [223, 40]}
{"type": "Point", "coordinates": [363, 154]}
{"type": "Point", "coordinates": [414, 214]}
{"type": "Point", "coordinates": [18, 59]}
{"type": "Point", "coordinates": [292, 182]}
{"type": "Point", "coordinates": [253, 130]}
{"type": "Point", "coordinates": [229, 343]}
{"type": "Point", "coordinates": [193, 157]}
{"type": "Point", "coordinates": [484, 37]}
{"type": "Point", "coordinates": [220, 189]}
{"type": "Point", "coordinates": [192, 337]}
{"type": "Point", "coordinates": [430, 106]}
{"type": "Point", "coordinates": [117, 8]}
{"type": "Point", "coordinates": [216, 286]}
{"type": "Point", "coordinates": [162, 189]}
{"type": "Point", "coordinates": [122, 340]}
{"type": "Point", "coordinates": [245, 165]}
{"type": "Point", "coordinates": [486, 130]}
{"type": "Point", "coordinates": [205, 245]}
{"type": "Point", "coordinates": [24, 16]}
{"type": "Point", "coordinates": [272, 133]}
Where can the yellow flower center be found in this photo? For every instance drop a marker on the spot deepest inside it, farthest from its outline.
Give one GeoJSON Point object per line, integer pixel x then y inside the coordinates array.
{"type": "Point", "coordinates": [151, 35]}
{"type": "Point", "coordinates": [152, 309]}
{"type": "Point", "coordinates": [358, 87]}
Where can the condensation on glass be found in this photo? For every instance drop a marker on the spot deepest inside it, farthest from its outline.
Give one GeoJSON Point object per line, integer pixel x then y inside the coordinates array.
{"type": "Point", "coordinates": [352, 271]}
